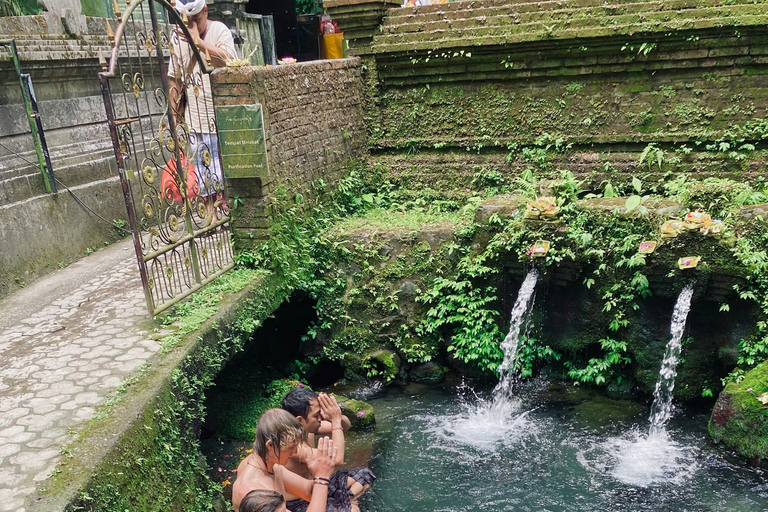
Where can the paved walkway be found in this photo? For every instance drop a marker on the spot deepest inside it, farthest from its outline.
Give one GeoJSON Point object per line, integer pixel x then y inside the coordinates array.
{"type": "Point", "coordinates": [66, 342]}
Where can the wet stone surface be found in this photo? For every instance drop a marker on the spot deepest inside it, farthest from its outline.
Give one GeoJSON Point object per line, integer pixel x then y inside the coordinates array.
{"type": "Point", "coordinates": [69, 340]}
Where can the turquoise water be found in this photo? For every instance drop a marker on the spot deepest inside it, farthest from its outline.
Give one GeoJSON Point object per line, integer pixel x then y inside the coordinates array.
{"type": "Point", "coordinates": [446, 450]}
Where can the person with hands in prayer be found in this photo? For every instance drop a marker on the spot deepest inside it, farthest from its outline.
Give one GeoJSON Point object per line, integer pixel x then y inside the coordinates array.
{"type": "Point", "coordinates": [321, 413]}
{"type": "Point", "coordinates": [278, 435]}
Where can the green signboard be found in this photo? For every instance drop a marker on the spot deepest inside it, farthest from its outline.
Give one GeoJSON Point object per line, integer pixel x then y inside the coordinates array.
{"type": "Point", "coordinates": [242, 142]}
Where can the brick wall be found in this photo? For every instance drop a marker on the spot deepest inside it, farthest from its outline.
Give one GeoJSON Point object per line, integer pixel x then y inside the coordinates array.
{"type": "Point", "coordinates": [314, 123]}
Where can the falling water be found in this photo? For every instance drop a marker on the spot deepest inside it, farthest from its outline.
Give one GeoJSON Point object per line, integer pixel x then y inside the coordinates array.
{"type": "Point", "coordinates": [520, 314]}
{"type": "Point", "coordinates": [662, 396]}
{"type": "Point", "coordinates": [657, 459]}
{"type": "Point", "coordinates": [486, 424]}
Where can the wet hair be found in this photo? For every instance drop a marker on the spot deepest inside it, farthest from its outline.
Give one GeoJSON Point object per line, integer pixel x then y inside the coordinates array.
{"type": "Point", "coordinates": [261, 500]}
{"type": "Point", "coordinates": [281, 428]}
{"type": "Point", "coordinates": [297, 401]}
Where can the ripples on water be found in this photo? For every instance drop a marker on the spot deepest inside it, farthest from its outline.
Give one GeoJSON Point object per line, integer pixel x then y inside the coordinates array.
{"type": "Point", "coordinates": [448, 452]}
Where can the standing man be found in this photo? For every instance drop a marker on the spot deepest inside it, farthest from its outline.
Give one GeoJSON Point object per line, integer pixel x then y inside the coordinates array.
{"type": "Point", "coordinates": [322, 414]}
{"type": "Point", "coordinates": [191, 93]}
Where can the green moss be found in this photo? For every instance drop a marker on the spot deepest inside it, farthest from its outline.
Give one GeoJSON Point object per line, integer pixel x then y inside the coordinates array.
{"type": "Point", "coordinates": [360, 414]}
{"type": "Point", "coordinates": [380, 219]}
{"type": "Point", "coordinates": [236, 406]}
{"type": "Point", "coordinates": [739, 420]}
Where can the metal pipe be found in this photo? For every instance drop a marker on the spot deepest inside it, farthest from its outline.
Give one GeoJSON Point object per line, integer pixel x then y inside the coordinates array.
{"type": "Point", "coordinates": [35, 123]}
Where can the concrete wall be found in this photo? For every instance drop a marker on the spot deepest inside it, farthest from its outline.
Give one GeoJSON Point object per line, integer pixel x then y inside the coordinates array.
{"type": "Point", "coordinates": [40, 231]}
{"type": "Point", "coordinates": [314, 122]}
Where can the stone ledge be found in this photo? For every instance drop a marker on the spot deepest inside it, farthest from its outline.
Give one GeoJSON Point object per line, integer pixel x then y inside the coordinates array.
{"type": "Point", "coordinates": [656, 206]}
{"type": "Point", "coordinates": [108, 441]}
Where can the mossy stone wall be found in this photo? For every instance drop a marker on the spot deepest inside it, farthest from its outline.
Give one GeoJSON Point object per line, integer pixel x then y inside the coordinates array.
{"type": "Point", "coordinates": [478, 76]}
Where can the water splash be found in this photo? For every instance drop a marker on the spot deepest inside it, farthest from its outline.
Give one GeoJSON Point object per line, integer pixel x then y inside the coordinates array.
{"type": "Point", "coordinates": [521, 312]}
{"type": "Point", "coordinates": [368, 390]}
{"type": "Point", "coordinates": [481, 423]}
{"type": "Point", "coordinates": [650, 460]}
{"type": "Point", "coordinates": [486, 423]}
{"type": "Point", "coordinates": [656, 459]}
{"type": "Point", "coordinates": [662, 395]}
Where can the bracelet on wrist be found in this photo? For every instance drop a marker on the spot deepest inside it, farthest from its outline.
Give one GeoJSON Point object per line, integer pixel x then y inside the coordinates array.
{"type": "Point", "coordinates": [322, 479]}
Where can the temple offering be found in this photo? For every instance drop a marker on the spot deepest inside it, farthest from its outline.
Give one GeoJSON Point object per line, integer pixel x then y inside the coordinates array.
{"type": "Point", "coordinates": [539, 249]}
{"type": "Point", "coordinates": [688, 262]}
{"type": "Point", "coordinates": [543, 208]}
{"type": "Point", "coordinates": [671, 228]}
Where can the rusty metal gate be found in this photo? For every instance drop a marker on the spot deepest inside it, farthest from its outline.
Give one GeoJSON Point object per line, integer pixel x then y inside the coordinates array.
{"type": "Point", "coordinates": [166, 144]}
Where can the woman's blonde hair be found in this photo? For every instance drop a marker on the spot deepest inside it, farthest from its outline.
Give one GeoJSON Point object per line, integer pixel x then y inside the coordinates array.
{"type": "Point", "coordinates": [280, 427]}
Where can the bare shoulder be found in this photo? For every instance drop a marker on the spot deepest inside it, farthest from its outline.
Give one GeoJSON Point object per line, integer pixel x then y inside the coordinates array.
{"type": "Point", "coordinates": [248, 480]}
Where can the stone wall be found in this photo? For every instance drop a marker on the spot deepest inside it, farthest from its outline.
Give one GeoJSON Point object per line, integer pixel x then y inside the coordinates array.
{"type": "Point", "coordinates": [314, 123]}
{"type": "Point", "coordinates": [40, 231]}
{"type": "Point", "coordinates": [481, 76]}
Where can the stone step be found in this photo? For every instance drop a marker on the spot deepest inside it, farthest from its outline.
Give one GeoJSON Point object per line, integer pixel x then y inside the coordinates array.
{"type": "Point", "coordinates": [601, 58]}
{"type": "Point", "coordinates": [511, 15]}
{"type": "Point", "coordinates": [481, 8]}
{"type": "Point", "coordinates": [561, 20]}
{"type": "Point", "coordinates": [506, 34]}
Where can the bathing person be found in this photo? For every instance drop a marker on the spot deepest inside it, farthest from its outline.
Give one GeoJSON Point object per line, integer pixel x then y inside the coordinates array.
{"type": "Point", "coordinates": [278, 435]}
{"type": "Point", "coordinates": [263, 500]}
{"type": "Point", "coordinates": [321, 413]}
{"type": "Point", "coordinates": [190, 90]}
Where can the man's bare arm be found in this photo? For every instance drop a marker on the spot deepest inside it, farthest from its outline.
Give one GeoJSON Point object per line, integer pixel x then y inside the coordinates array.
{"type": "Point", "coordinates": [325, 426]}
{"type": "Point", "coordinates": [297, 485]}
{"type": "Point", "coordinates": [219, 56]}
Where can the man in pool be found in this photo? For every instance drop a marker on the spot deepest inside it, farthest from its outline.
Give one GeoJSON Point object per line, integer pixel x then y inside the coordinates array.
{"type": "Point", "coordinates": [320, 413]}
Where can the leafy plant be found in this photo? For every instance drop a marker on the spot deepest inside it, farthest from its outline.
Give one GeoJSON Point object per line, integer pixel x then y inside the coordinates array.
{"type": "Point", "coordinates": [635, 201]}
{"type": "Point", "coordinates": [599, 370]}
{"type": "Point", "coordinates": [652, 154]}
{"type": "Point", "coordinates": [530, 351]}
{"type": "Point", "coordinates": [18, 7]}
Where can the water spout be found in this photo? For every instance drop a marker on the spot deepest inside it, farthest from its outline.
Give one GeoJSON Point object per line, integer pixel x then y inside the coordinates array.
{"type": "Point", "coordinates": [487, 423]}
{"type": "Point", "coordinates": [662, 396]}
{"type": "Point", "coordinates": [521, 312]}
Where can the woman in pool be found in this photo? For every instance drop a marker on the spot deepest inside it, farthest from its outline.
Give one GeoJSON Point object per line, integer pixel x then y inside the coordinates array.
{"type": "Point", "coordinates": [278, 434]}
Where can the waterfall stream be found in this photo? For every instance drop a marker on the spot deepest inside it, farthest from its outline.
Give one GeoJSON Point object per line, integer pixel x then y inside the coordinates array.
{"type": "Point", "coordinates": [662, 396]}
{"type": "Point", "coordinates": [488, 423]}
{"type": "Point", "coordinates": [656, 458]}
{"type": "Point", "coordinates": [521, 312]}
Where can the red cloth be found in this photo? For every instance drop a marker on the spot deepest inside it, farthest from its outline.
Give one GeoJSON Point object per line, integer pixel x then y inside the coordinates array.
{"type": "Point", "coordinates": [170, 188]}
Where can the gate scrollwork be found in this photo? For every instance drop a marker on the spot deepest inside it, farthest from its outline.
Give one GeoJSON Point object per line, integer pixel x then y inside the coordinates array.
{"type": "Point", "coordinates": [169, 168]}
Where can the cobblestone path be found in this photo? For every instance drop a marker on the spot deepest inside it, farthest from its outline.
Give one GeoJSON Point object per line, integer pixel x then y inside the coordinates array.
{"type": "Point", "coordinates": [66, 342]}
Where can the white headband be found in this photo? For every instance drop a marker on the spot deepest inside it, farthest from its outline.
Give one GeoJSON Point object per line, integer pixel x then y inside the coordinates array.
{"type": "Point", "coordinates": [191, 8]}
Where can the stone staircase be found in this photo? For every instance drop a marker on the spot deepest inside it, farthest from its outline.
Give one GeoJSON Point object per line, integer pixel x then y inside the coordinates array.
{"type": "Point", "coordinates": [496, 22]}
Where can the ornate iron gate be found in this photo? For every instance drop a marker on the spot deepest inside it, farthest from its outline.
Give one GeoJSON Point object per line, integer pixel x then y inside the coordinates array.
{"type": "Point", "coordinates": [166, 144]}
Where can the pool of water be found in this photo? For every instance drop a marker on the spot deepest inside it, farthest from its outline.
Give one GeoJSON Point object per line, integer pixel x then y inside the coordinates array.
{"type": "Point", "coordinates": [448, 449]}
